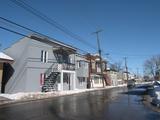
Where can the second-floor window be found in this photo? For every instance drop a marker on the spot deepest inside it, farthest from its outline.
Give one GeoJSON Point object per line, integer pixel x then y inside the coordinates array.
{"type": "Point", "coordinates": [62, 58]}
{"type": "Point", "coordinates": [98, 65]}
{"type": "Point", "coordinates": [82, 64]}
{"type": "Point", "coordinates": [44, 56]}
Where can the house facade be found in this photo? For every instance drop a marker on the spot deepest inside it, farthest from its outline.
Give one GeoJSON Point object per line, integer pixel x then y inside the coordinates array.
{"type": "Point", "coordinates": [82, 71]}
{"type": "Point", "coordinates": [42, 64]}
{"type": "Point", "coordinates": [130, 76]}
{"type": "Point", "coordinates": [113, 75]}
{"type": "Point", "coordinates": [157, 76]}
{"type": "Point", "coordinates": [95, 77]}
{"type": "Point", "coordinates": [5, 70]}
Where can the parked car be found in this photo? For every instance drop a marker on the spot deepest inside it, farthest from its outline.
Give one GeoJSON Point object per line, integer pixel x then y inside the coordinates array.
{"type": "Point", "coordinates": [131, 83]}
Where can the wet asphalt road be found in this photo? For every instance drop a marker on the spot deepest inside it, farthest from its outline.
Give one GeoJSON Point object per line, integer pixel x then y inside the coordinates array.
{"type": "Point", "coordinates": [98, 105]}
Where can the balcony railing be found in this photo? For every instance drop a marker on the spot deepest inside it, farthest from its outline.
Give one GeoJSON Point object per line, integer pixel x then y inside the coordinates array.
{"type": "Point", "coordinates": [65, 66]}
{"type": "Point", "coordinates": [57, 67]}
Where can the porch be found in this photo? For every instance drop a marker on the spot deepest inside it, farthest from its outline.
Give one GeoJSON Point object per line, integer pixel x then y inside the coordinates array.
{"type": "Point", "coordinates": [59, 77]}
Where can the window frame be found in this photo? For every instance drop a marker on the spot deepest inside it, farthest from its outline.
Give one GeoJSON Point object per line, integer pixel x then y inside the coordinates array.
{"type": "Point", "coordinates": [44, 56]}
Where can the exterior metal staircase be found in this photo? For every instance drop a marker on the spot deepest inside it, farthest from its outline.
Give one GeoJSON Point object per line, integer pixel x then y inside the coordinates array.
{"type": "Point", "coordinates": [50, 83]}
{"type": "Point", "coordinates": [52, 75]}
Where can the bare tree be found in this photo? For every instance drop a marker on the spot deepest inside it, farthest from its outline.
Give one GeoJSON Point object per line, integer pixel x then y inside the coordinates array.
{"type": "Point", "coordinates": [117, 66]}
{"type": "Point", "coordinates": [152, 65]}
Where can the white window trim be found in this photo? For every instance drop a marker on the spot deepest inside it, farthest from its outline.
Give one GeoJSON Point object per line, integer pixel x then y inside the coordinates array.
{"type": "Point", "coordinates": [44, 56]}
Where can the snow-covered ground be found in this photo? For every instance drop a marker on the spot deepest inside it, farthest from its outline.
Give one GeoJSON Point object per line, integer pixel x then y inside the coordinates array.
{"type": "Point", "coordinates": [41, 95]}
{"type": "Point", "coordinates": [155, 94]}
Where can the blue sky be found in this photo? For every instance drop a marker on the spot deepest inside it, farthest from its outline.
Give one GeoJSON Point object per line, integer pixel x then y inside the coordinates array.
{"type": "Point", "coordinates": [131, 28]}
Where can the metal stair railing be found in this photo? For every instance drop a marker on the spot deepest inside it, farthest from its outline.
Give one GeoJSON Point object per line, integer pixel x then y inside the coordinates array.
{"type": "Point", "coordinates": [52, 68]}
{"type": "Point", "coordinates": [68, 66]}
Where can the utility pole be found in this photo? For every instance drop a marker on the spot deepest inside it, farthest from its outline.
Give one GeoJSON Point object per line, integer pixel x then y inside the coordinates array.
{"type": "Point", "coordinates": [125, 58]}
{"type": "Point", "coordinates": [137, 73]}
{"type": "Point", "coordinates": [90, 71]}
{"type": "Point", "coordinates": [99, 51]}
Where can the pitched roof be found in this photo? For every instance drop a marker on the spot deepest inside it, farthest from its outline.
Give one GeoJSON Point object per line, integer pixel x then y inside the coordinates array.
{"type": "Point", "coordinates": [51, 41]}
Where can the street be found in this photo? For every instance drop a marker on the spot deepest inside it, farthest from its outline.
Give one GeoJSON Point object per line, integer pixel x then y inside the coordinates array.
{"type": "Point", "coordinates": [110, 104]}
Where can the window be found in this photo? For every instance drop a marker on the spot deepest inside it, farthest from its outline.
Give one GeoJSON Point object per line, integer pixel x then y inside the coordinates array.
{"type": "Point", "coordinates": [66, 78]}
{"type": "Point", "coordinates": [93, 65]}
{"type": "Point", "coordinates": [98, 65]}
{"type": "Point", "coordinates": [81, 80]}
{"type": "Point", "coordinates": [82, 64]}
{"type": "Point", "coordinates": [70, 60]}
{"type": "Point", "coordinates": [96, 80]}
{"type": "Point", "coordinates": [62, 57]}
{"type": "Point", "coordinates": [44, 56]}
{"type": "Point", "coordinates": [42, 77]}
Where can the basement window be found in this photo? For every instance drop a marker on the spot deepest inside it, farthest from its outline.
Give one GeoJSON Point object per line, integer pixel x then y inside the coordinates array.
{"type": "Point", "coordinates": [44, 56]}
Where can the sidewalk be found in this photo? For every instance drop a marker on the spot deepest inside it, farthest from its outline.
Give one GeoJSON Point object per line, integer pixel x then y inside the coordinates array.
{"type": "Point", "coordinates": [31, 96]}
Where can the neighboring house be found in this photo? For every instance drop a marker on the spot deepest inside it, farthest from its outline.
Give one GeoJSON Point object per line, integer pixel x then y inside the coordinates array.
{"type": "Point", "coordinates": [82, 71]}
{"type": "Point", "coordinates": [120, 78]}
{"type": "Point", "coordinates": [157, 76]}
{"type": "Point", "coordinates": [125, 76]}
{"type": "Point", "coordinates": [5, 70]}
{"type": "Point", "coordinates": [95, 71]}
{"type": "Point", "coordinates": [42, 64]}
{"type": "Point", "coordinates": [113, 75]}
{"type": "Point", "coordinates": [130, 76]}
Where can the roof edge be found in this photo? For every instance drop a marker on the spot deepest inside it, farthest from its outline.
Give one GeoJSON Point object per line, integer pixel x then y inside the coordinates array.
{"type": "Point", "coordinates": [52, 40]}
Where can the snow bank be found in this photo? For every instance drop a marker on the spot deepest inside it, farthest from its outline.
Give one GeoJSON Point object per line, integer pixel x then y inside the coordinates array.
{"type": "Point", "coordinates": [158, 95]}
{"type": "Point", "coordinates": [41, 95]}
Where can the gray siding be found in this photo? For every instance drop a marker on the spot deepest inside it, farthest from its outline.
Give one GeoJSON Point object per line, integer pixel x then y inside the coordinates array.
{"type": "Point", "coordinates": [82, 85]}
{"type": "Point", "coordinates": [34, 56]}
{"type": "Point", "coordinates": [81, 71]}
{"type": "Point", "coordinates": [33, 80]}
{"type": "Point", "coordinates": [28, 66]}
{"type": "Point", "coordinates": [36, 66]}
{"type": "Point", "coordinates": [19, 52]}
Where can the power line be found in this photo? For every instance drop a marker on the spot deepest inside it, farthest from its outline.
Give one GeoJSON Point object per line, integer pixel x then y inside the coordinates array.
{"type": "Point", "coordinates": [129, 55]}
{"type": "Point", "coordinates": [9, 21]}
{"type": "Point", "coordinates": [15, 32]}
{"type": "Point", "coordinates": [42, 16]}
{"type": "Point", "coordinates": [14, 23]}
{"type": "Point", "coordinates": [50, 21]}
{"type": "Point", "coordinates": [26, 28]}
{"type": "Point", "coordinates": [21, 34]}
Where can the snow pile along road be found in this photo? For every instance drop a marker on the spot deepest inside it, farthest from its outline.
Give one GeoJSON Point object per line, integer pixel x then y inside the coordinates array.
{"type": "Point", "coordinates": [41, 95]}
